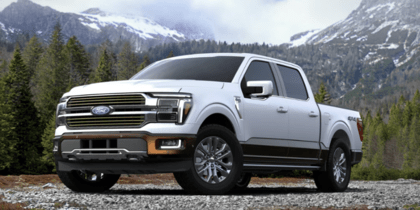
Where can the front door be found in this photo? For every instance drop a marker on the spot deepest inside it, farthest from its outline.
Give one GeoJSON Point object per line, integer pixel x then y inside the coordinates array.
{"type": "Point", "coordinates": [265, 119]}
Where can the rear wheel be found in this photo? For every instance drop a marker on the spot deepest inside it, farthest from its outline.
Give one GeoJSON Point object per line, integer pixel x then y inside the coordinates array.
{"type": "Point", "coordinates": [85, 181]}
{"type": "Point", "coordinates": [337, 176]}
{"type": "Point", "coordinates": [216, 165]}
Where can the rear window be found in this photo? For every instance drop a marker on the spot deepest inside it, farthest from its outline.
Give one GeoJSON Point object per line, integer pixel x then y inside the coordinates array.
{"type": "Point", "coordinates": [219, 68]}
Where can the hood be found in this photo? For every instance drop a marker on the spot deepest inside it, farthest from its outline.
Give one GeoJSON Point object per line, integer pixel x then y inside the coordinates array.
{"type": "Point", "coordinates": [141, 86]}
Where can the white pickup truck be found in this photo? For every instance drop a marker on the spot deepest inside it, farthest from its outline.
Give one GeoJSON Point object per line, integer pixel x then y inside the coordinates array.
{"type": "Point", "coordinates": [211, 119]}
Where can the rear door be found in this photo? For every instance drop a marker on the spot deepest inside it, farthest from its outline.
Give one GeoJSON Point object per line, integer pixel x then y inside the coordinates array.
{"type": "Point", "coordinates": [304, 119]}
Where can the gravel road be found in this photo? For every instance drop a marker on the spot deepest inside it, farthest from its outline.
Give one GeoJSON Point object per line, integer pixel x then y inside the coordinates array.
{"type": "Point", "coordinates": [360, 194]}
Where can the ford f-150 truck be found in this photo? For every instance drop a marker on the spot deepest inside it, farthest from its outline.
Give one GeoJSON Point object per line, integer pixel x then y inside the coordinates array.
{"type": "Point", "coordinates": [210, 119]}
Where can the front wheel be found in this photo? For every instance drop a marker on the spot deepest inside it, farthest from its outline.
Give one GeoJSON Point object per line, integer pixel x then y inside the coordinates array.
{"type": "Point", "coordinates": [85, 181]}
{"type": "Point", "coordinates": [337, 176]}
{"type": "Point", "coordinates": [216, 165]}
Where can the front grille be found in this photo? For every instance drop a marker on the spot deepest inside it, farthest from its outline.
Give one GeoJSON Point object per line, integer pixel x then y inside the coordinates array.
{"type": "Point", "coordinates": [106, 100]}
{"type": "Point", "coordinates": [105, 121]}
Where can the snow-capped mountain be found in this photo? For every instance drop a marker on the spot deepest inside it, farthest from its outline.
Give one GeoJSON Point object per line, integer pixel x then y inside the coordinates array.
{"type": "Point", "coordinates": [91, 26]}
{"type": "Point", "coordinates": [390, 27]}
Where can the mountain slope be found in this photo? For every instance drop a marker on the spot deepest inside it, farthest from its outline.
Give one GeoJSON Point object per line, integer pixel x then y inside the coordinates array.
{"type": "Point", "coordinates": [90, 27]}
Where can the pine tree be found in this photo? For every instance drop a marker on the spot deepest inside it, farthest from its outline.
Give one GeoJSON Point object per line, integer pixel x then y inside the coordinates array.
{"type": "Point", "coordinates": [407, 113]}
{"type": "Point", "coordinates": [413, 145]}
{"type": "Point", "coordinates": [78, 63]}
{"type": "Point", "coordinates": [322, 96]}
{"type": "Point", "coordinates": [47, 144]}
{"type": "Point", "coordinates": [52, 77]}
{"type": "Point", "coordinates": [103, 72]}
{"type": "Point", "coordinates": [144, 64]}
{"type": "Point", "coordinates": [25, 118]}
{"type": "Point", "coordinates": [3, 68]}
{"type": "Point", "coordinates": [416, 104]}
{"type": "Point", "coordinates": [127, 63]}
{"type": "Point", "coordinates": [171, 54]}
{"type": "Point", "coordinates": [32, 54]}
{"type": "Point", "coordinates": [395, 121]}
{"type": "Point", "coordinates": [8, 137]}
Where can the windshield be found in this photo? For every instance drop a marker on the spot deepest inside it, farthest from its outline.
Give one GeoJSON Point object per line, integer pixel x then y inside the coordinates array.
{"type": "Point", "coordinates": [219, 68]}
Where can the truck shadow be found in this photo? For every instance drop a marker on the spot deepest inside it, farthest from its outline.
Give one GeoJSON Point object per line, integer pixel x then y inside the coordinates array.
{"type": "Point", "coordinates": [259, 191]}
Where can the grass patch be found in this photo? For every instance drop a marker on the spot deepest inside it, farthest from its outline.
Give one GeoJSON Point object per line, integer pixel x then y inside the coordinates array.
{"type": "Point", "coordinates": [414, 206]}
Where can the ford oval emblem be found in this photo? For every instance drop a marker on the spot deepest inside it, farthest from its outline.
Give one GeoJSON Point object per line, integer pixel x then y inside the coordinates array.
{"type": "Point", "coordinates": [100, 110]}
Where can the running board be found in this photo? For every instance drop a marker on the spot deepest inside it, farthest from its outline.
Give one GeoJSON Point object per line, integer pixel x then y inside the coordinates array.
{"type": "Point", "coordinates": [279, 167]}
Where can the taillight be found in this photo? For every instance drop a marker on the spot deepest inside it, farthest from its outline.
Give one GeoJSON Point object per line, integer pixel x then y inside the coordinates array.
{"type": "Point", "coordinates": [360, 128]}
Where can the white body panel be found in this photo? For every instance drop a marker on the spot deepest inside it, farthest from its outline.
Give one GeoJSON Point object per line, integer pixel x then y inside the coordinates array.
{"type": "Point", "coordinates": [219, 98]}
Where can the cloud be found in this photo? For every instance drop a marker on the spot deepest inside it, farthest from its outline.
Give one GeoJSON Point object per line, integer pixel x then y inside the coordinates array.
{"type": "Point", "coordinates": [272, 21]}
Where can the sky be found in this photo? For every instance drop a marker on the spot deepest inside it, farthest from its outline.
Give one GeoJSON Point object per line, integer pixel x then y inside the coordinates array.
{"type": "Point", "coordinates": [244, 21]}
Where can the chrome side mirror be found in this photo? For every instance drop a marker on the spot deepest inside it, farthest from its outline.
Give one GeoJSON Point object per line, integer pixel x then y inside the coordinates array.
{"type": "Point", "coordinates": [267, 88]}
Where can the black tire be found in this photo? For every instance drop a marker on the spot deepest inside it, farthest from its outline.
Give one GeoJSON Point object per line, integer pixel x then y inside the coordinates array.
{"type": "Point", "coordinates": [78, 181]}
{"type": "Point", "coordinates": [229, 149]}
{"type": "Point", "coordinates": [326, 181]}
{"type": "Point", "coordinates": [243, 182]}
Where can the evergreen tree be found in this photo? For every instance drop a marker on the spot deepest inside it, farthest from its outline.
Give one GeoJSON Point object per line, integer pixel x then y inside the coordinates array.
{"type": "Point", "coordinates": [78, 64]}
{"type": "Point", "coordinates": [32, 54]}
{"type": "Point", "coordinates": [395, 120]}
{"type": "Point", "coordinates": [103, 72]}
{"type": "Point", "coordinates": [127, 63]}
{"type": "Point", "coordinates": [25, 118]}
{"type": "Point", "coordinates": [52, 76]}
{"type": "Point", "coordinates": [47, 144]}
{"type": "Point", "coordinates": [416, 104]}
{"type": "Point", "coordinates": [8, 137]}
{"type": "Point", "coordinates": [171, 54]}
{"type": "Point", "coordinates": [144, 64]}
{"type": "Point", "coordinates": [3, 68]}
{"type": "Point", "coordinates": [407, 114]}
{"type": "Point", "coordinates": [322, 96]}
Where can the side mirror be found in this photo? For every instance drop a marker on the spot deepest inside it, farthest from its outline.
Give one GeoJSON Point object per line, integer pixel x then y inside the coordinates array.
{"type": "Point", "coordinates": [267, 88]}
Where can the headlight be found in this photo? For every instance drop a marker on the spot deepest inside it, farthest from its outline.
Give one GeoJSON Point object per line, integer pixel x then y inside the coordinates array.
{"type": "Point", "coordinates": [173, 107]}
{"type": "Point", "coordinates": [60, 111]}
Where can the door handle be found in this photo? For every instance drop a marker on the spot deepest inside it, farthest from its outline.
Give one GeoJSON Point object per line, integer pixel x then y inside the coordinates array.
{"type": "Point", "coordinates": [282, 110]}
{"type": "Point", "coordinates": [313, 114]}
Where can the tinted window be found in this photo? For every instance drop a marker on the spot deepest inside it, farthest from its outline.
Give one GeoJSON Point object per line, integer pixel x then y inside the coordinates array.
{"type": "Point", "coordinates": [257, 71]}
{"type": "Point", "coordinates": [295, 88]}
{"type": "Point", "coordinates": [221, 69]}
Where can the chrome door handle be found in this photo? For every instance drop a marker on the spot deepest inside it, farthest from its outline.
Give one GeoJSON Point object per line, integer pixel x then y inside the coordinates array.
{"type": "Point", "coordinates": [313, 114]}
{"type": "Point", "coordinates": [282, 110]}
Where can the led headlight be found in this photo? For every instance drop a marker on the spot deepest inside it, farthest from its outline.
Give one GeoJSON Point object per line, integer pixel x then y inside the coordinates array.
{"type": "Point", "coordinates": [173, 107]}
{"type": "Point", "coordinates": [60, 111]}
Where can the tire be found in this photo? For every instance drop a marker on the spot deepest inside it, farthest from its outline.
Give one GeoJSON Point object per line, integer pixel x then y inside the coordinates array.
{"type": "Point", "coordinates": [82, 181]}
{"type": "Point", "coordinates": [225, 159]}
{"type": "Point", "coordinates": [337, 176]}
{"type": "Point", "coordinates": [243, 182]}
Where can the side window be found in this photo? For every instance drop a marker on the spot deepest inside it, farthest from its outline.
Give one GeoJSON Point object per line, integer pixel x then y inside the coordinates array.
{"type": "Point", "coordinates": [295, 87]}
{"type": "Point", "coordinates": [257, 71]}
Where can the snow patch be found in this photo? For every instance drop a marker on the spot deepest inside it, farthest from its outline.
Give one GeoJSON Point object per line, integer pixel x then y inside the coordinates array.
{"type": "Point", "coordinates": [302, 40]}
{"type": "Point", "coordinates": [369, 55]}
{"type": "Point", "coordinates": [362, 39]}
{"type": "Point", "coordinates": [378, 7]}
{"type": "Point", "coordinates": [389, 47]}
{"type": "Point", "coordinates": [3, 28]}
{"type": "Point", "coordinates": [91, 25]}
{"type": "Point", "coordinates": [385, 24]}
{"type": "Point", "coordinates": [38, 32]}
{"type": "Point", "coordinates": [142, 26]}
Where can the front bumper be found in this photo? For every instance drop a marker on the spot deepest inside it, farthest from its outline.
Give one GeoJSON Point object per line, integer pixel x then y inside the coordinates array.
{"type": "Point", "coordinates": [122, 152]}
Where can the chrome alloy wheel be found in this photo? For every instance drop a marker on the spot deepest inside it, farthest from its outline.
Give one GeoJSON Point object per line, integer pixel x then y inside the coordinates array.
{"type": "Point", "coordinates": [213, 160]}
{"type": "Point", "coordinates": [339, 165]}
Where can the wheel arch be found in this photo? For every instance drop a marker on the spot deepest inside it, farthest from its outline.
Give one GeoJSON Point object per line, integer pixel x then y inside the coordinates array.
{"type": "Point", "coordinates": [339, 131]}
{"type": "Point", "coordinates": [221, 115]}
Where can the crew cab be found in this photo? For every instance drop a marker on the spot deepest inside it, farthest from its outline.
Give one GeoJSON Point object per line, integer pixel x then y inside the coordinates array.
{"type": "Point", "coordinates": [210, 119]}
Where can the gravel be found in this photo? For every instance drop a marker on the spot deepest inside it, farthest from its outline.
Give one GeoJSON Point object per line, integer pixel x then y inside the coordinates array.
{"type": "Point", "coordinates": [370, 194]}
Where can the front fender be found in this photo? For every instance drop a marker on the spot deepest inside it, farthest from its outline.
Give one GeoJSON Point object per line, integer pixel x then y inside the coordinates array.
{"type": "Point", "coordinates": [218, 108]}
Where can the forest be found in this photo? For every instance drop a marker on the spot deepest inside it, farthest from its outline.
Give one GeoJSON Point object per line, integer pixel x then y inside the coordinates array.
{"type": "Point", "coordinates": [35, 73]}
